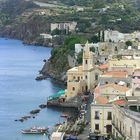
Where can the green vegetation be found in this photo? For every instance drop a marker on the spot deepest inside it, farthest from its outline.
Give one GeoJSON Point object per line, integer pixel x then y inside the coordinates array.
{"type": "Point", "coordinates": [68, 47]}
{"type": "Point", "coordinates": [128, 43]}
{"type": "Point", "coordinates": [80, 58]}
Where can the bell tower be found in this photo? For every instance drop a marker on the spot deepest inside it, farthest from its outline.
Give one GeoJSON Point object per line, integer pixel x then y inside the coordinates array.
{"type": "Point", "coordinates": [88, 64]}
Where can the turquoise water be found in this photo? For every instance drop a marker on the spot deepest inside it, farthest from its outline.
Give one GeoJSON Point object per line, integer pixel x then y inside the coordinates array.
{"type": "Point", "coordinates": [20, 92]}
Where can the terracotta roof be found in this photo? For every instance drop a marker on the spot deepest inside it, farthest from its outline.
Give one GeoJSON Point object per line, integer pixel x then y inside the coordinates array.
{"type": "Point", "coordinates": [120, 102]}
{"type": "Point", "coordinates": [101, 100]}
{"type": "Point", "coordinates": [116, 87]}
{"type": "Point", "coordinates": [104, 66]}
{"type": "Point", "coordinates": [116, 74]}
{"type": "Point", "coordinates": [97, 90]}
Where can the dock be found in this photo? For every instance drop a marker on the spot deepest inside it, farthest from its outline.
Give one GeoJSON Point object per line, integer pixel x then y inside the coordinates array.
{"type": "Point", "coordinates": [72, 103]}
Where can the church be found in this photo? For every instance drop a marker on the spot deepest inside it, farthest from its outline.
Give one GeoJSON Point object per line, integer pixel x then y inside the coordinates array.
{"type": "Point", "coordinates": [84, 77]}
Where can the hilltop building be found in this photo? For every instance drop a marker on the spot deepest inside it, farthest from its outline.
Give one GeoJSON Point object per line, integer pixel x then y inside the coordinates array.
{"type": "Point", "coordinates": [68, 26]}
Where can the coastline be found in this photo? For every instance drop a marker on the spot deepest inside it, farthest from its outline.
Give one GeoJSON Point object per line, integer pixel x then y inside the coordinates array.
{"type": "Point", "coordinates": [20, 93]}
{"type": "Point", "coordinates": [43, 68]}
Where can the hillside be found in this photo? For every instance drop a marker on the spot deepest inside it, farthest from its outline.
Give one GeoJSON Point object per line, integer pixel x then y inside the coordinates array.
{"type": "Point", "coordinates": [24, 20]}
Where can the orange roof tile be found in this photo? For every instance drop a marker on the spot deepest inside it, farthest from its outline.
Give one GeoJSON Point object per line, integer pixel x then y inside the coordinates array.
{"type": "Point", "coordinates": [97, 90]}
{"type": "Point", "coordinates": [116, 74]}
{"type": "Point", "coordinates": [120, 102]}
{"type": "Point", "coordinates": [101, 100]}
{"type": "Point", "coordinates": [116, 87]}
{"type": "Point", "coordinates": [104, 66]}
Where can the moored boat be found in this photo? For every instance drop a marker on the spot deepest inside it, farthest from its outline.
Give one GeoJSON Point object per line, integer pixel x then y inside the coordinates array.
{"type": "Point", "coordinates": [35, 130]}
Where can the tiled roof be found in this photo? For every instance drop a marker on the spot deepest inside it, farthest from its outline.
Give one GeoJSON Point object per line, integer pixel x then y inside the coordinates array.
{"type": "Point", "coordinates": [116, 87]}
{"type": "Point", "coordinates": [101, 100]}
{"type": "Point", "coordinates": [97, 90]}
{"type": "Point", "coordinates": [116, 74]}
{"type": "Point", "coordinates": [120, 102]}
{"type": "Point", "coordinates": [104, 66]}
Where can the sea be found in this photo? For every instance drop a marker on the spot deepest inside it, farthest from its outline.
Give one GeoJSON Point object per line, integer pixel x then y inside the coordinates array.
{"type": "Point", "coordinates": [20, 92]}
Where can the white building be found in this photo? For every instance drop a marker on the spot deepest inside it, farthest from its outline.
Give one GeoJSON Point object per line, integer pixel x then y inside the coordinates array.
{"type": "Point", "coordinates": [113, 36]}
{"type": "Point", "coordinates": [126, 123]}
{"type": "Point", "coordinates": [70, 26]}
{"type": "Point", "coordinates": [101, 116]}
{"type": "Point", "coordinates": [116, 36]}
{"type": "Point", "coordinates": [46, 36]}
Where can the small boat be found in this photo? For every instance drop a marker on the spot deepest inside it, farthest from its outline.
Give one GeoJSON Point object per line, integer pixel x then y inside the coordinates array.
{"type": "Point", "coordinates": [64, 115]}
{"type": "Point", "coordinates": [35, 130]}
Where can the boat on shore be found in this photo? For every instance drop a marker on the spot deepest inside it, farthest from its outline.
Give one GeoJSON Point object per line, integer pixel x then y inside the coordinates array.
{"type": "Point", "coordinates": [35, 130]}
{"type": "Point", "coordinates": [64, 115]}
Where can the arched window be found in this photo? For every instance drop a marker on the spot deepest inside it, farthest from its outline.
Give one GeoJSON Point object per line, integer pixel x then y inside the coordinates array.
{"type": "Point", "coordinates": [73, 88]}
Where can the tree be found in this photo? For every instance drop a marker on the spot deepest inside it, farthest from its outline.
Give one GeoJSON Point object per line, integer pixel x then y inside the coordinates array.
{"type": "Point", "coordinates": [95, 39]}
{"type": "Point", "coordinates": [80, 57]}
{"type": "Point", "coordinates": [128, 43]}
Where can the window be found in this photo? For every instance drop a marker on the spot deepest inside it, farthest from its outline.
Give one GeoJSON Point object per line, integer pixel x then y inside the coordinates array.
{"type": "Point", "coordinates": [96, 126]}
{"type": "Point", "coordinates": [97, 115]}
{"type": "Point", "coordinates": [86, 61]}
{"type": "Point", "coordinates": [86, 77]}
{"type": "Point", "coordinates": [96, 77]}
{"type": "Point", "coordinates": [73, 88]}
{"type": "Point", "coordinates": [130, 131]}
{"type": "Point", "coordinates": [109, 116]}
{"type": "Point", "coordinates": [78, 78]}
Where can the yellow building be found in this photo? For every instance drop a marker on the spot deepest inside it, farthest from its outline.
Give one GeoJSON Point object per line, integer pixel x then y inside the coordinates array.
{"type": "Point", "coordinates": [82, 78]}
{"type": "Point", "coordinates": [128, 65]}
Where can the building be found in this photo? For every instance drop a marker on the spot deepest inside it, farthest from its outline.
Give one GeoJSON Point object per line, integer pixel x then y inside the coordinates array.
{"type": "Point", "coordinates": [136, 82]}
{"type": "Point", "coordinates": [84, 77]}
{"type": "Point", "coordinates": [116, 36]}
{"type": "Point", "coordinates": [113, 91]}
{"type": "Point", "coordinates": [126, 120]}
{"type": "Point", "coordinates": [46, 36]}
{"type": "Point", "coordinates": [57, 136]}
{"type": "Point", "coordinates": [101, 116]}
{"type": "Point", "coordinates": [113, 36]}
{"type": "Point", "coordinates": [68, 26]}
{"type": "Point", "coordinates": [128, 65]}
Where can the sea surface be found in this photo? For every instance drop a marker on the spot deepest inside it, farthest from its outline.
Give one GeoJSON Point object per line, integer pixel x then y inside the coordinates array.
{"type": "Point", "coordinates": [20, 92]}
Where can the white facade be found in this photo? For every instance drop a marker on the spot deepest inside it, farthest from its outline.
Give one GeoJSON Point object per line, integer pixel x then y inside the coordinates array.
{"type": "Point", "coordinates": [116, 36]}
{"type": "Point", "coordinates": [101, 116]}
{"type": "Point", "coordinates": [57, 136]}
{"type": "Point", "coordinates": [46, 36]}
{"type": "Point", "coordinates": [126, 123]}
{"type": "Point", "coordinates": [62, 26]}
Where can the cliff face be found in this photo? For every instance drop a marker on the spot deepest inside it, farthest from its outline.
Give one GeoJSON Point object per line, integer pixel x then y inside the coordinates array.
{"type": "Point", "coordinates": [18, 20]}
{"type": "Point", "coordinates": [56, 68]}
{"type": "Point", "coordinates": [28, 31]}
{"type": "Point", "coordinates": [58, 64]}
